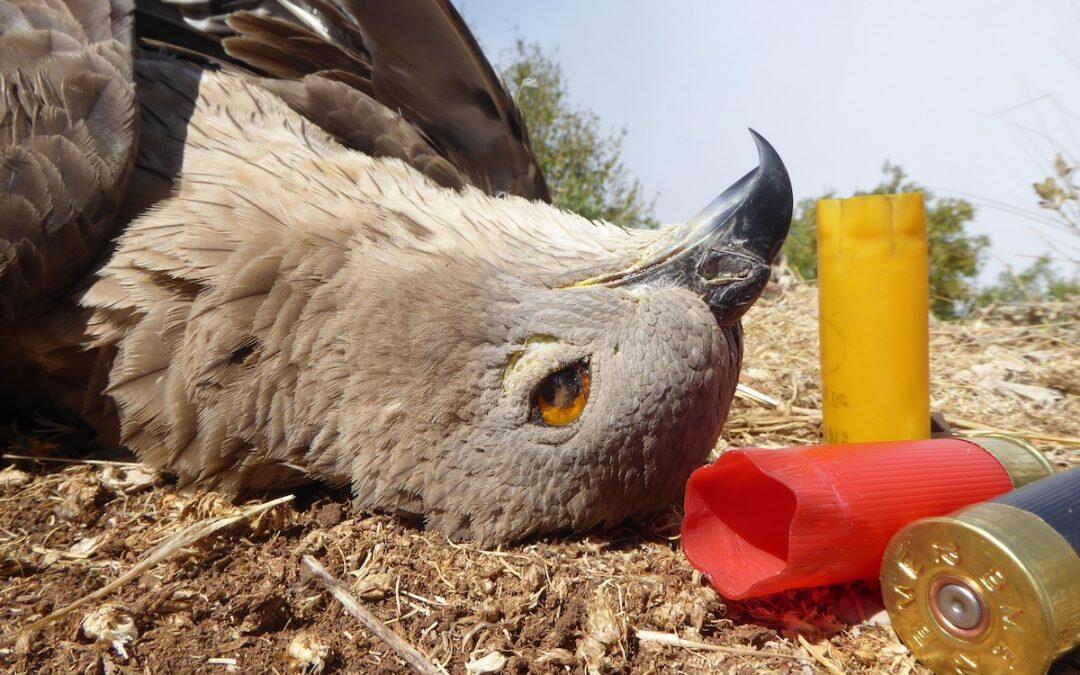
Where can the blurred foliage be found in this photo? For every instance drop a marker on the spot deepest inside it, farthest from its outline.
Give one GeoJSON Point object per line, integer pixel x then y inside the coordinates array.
{"type": "Point", "coordinates": [1044, 280]}
{"type": "Point", "coordinates": [1058, 193]}
{"type": "Point", "coordinates": [955, 255]}
{"type": "Point", "coordinates": [800, 247]}
{"type": "Point", "coordinates": [582, 163]}
{"type": "Point", "coordinates": [1040, 281]}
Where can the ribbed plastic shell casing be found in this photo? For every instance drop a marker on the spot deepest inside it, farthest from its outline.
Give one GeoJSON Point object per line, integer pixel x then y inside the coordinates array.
{"type": "Point", "coordinates": [1056, 501]}
{"type": "Point", "coordinates": [759, 521]}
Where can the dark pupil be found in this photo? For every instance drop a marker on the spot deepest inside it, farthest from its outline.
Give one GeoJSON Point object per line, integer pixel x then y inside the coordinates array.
{"type": "Point", "coordinates": [562, 388]}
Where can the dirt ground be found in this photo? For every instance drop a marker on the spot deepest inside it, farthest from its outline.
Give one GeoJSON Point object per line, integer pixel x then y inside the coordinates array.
{"type": "Point", "coordinates": [240, 601]}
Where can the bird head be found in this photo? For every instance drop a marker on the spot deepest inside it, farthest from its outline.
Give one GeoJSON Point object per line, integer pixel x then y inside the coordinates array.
{"type": "Point", "coordinates": [571, 374]}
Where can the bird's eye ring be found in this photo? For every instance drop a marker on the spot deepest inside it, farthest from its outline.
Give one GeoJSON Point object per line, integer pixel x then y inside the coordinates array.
{"type": "Point", "coordinates": [560, 397]}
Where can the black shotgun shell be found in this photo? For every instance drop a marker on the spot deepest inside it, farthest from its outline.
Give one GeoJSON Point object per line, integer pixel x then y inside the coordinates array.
{"type": "Point", "coordinates": [994, 587]}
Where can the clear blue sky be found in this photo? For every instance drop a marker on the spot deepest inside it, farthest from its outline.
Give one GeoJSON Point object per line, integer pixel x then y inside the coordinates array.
{"type": "Point", "coordinates": [960, 93]}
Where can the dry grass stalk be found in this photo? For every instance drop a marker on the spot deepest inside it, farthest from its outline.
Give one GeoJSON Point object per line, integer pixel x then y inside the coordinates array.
{"type": "Point", "coordinates": [409, 654]}
{"type": "Point", "coordinates": [1030, 435]}
{"type": "Point", "coordinates": [164, 551]}
{"type": "Point", "coordinates": [675, 641]}
{"type": "Point", "coordinates": [67, 460]}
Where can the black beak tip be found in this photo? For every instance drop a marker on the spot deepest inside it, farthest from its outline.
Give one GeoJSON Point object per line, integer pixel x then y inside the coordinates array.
{"type": "Point", "coordinates": [724, 253]}
{"type": "Point", "coordinates": [766, 153]}
{"type": "Point", "coordinates": [774, 197]}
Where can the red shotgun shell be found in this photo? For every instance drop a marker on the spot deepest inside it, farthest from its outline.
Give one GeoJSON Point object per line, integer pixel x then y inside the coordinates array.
{"type": "Point", "coordinates": [760, 521]}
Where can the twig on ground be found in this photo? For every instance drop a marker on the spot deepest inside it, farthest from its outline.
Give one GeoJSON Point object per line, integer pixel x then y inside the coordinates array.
{"type": "Point", "coordinates": [750, 394]}
{"type": "Point", "coordinates": [820, 657]}
{"type": "Point", "coordinates": [166, 549]}
{"type": "Point", "coordinates": [65, 460]}
{"type": "Point", "coordinates": [1032, 435]}
{"type": "Point", "coordinates": [673, 640]}
{"type": "Point", "coordinates": [409, 654]}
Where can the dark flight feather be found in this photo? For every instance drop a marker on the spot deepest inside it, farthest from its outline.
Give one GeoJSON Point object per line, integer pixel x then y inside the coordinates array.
{"type": "Point", "coordinates": [414, 58]}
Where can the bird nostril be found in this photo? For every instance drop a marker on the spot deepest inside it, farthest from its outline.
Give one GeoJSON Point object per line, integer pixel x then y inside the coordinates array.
{"type": "Point", "coordinates": [709, 265]}
{"type": "Point", "coordinates": [723, 266]}
{"type": "Point", "coordinates": [731, 294]}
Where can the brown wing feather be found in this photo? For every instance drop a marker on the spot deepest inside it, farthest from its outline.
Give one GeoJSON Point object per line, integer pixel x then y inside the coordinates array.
{"type": "Point", "coordinates": [360, 122]}
{"type": "Point", "coordinates": [293, 42]}
{"type": "Point", "coordinates": [67, 133]}
{"type": "Point", "coordinates": [427, 64]}
{"type": "Point", "coordinates": [161, 26]}
{"type": "Point", "coordinates": [414, 61]}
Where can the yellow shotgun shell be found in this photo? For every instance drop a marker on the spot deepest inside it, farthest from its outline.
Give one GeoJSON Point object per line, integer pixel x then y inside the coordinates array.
{"type": "Point", "coordinates": [874, 318]}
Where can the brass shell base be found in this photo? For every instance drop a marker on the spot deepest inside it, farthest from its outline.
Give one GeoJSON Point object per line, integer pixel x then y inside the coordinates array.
{"type": "Point", "coordinates": [1020, 458]}
{"type": "Point", "coordinates": [1026, 577]}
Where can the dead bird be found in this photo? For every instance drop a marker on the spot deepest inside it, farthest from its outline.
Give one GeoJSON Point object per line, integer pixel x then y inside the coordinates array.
{"type": "Point", "coordinates": [264, 244]}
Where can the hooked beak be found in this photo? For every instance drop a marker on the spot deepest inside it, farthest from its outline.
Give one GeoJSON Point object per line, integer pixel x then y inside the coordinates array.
{"type": "Point", "coordinates": [724, 253]}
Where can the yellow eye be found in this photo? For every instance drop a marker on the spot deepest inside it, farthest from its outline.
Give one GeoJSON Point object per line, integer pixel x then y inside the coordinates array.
{"type": "Point", "coordinates": [561, 396]}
